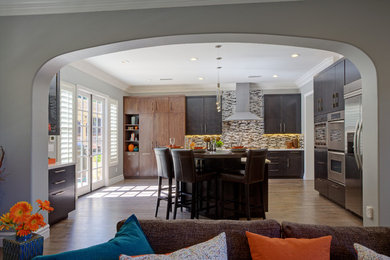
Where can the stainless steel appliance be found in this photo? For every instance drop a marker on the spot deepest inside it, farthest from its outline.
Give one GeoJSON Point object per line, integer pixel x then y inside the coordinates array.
{"type": "Point", "coordinates": [335, 131]}
{"type": "Point", "coordinates": [353, 147]}
{"type": "Point", "coordinates": [336, 167]}
{"type": "Point", "coordinates": [320, 131]}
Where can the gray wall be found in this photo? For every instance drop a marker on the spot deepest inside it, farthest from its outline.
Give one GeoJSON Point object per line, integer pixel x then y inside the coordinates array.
{"type": "Point", "coordinates": [28, 44]}
{"type": "Point", "coordinates": [308, 128]}
{"type": "Point", "coordinates": [75, 76]}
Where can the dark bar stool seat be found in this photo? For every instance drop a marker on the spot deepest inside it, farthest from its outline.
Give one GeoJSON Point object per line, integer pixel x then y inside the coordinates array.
{"type": "Point", "coordinates": [185, 172]}
{"type": "Point", "coordinates": [253, 173]}
{"type": "Point", "coordinates": [164, 171]}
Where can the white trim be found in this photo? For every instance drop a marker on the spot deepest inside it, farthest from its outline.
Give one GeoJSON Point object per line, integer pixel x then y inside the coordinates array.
{"type": "Point", "coordinates": [308, 76]}
{"type": "Point", "coordinates": [92, 70]}
{"type": "Point", "coordinates": [22, 7]}
{"type": "Point", "coordinates": [115, 179]}
{"type": "Point", "coordinates": [44, 231]}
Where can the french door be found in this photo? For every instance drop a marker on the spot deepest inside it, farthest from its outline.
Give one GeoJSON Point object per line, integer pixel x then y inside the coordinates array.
{"type": "Point", "coordinates": [90, 132]}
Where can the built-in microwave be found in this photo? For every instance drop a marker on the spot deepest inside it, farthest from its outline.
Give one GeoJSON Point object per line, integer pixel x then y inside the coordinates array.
{"type": "Point", "coordinates": [336, 167]}
{"type": "Point", "coordinates": [335, 131]}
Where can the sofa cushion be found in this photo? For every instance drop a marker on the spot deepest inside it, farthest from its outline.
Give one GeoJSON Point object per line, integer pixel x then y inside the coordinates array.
{"type": "Point", "coordinates": [214, 248]}
{"type": "Point", "coordinates": [263, 247]}
{"type": "Point", "coordinates": [171, 235]}
{"type": "Point", "coordinates": [343, 238]}
{"type": "Point", "coordinates": [365, 253]}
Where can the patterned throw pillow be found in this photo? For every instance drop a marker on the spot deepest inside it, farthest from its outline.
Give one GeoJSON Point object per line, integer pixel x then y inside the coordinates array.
{"type": "Point", "coordinates": [215, 249]}
{"type": "Point", "coordinates": [365, 253]}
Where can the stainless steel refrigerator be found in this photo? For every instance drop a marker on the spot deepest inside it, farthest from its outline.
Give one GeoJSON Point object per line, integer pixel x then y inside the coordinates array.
{"type": "Point", "coordinates": [353, 147]}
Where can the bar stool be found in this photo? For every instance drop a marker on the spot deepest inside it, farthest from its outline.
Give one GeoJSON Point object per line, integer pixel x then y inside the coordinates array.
{"type": "Point", "coordinates": [185, 172]}
{"type": "Point", "coordinates": [253, 173]}
{"type": "Point", "coordinates": [164, 171]}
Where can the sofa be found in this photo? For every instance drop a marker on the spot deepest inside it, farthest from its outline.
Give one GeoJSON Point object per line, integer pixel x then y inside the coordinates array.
{"type": "Point", "coordinates": [170, 235]}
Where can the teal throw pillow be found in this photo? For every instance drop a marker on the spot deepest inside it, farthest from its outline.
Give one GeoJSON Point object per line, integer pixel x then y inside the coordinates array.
{"type": "Point", "coordinates": [129, 240]}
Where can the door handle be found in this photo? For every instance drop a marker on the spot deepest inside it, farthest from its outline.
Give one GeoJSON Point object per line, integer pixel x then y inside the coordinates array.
{"type": "Point", "coordinates": [284, 127]}
{"type": "Point", "coordinates": [288, 162]}
{"type": "Point", "coordinates": [59, 171]}
{"type": "Point", "coordinates": [358, 144]}
{"type": "Point", "coordinates": [355, 138]}
{"type": "Point", "coordinates": [205, 128]}
{"type": "Point", "coordinates": [280, 127]}
{"type": "Point", "coordinates": [170, 106]}
{"type": "Point", "coordinates": [59, 182]}
{"type": "Point", "coordinates": [58, 193]}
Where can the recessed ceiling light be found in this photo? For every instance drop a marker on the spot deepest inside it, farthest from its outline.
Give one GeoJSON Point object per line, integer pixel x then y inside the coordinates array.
{"type": "Point", "coordinates": [275, 76]}
{"type": "Point", "coordinates": [219, 58]}
{"type": "Point", "coordinates": [193, 59]}
{"type": "Point", "coordinates": [254, 76]}
{"type": "Point", "coordinates": [125, 61]}
{"type": "Point", "coordinates": [201, 78]}
{"type": "Point", "coordinates": [218, 46]}
{"type": "Point", "coordinates": [295, 55]}
{"type": "Point", "coordinates": [166, 79]}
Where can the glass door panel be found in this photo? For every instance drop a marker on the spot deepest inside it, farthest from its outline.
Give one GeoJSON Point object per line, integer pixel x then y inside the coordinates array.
{"type": "Point", "coordinates": [97, 142]}
{"type": "Point", "coordinates": [83, 143]}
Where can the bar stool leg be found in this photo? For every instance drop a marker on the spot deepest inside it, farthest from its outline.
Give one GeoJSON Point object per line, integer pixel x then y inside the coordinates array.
{"type": "Point", "coordinates": [158, 195]}
{"type": "Point", "coordinates": [222, 199]}
{"type": "Point", "coordinates": [262, 203]}
{"type": "Point", "coordinates": [169, 206]}
{"type": "Point", "coordinates": [247, 202]}
{"type": "Point", "coordinates": [216, 198]}
{"type": "Point", "coordinates": [176, 200]}
{"type": "Point", "coordinates": [194, 200]}
{"type": "Point", "coordinates": [207, 197]}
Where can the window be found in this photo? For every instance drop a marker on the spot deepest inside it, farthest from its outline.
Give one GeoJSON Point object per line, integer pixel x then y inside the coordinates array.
{"type": "Point", "coordinates": [113, 137]}
{"type": "Point", "coordinates": [66, 125]}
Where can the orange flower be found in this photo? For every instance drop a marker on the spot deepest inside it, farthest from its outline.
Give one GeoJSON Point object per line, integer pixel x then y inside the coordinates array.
{"type": "Point", "coordinates": [6, 222]}
{"type": "Point", "coordinates": [45, 205]}
{"type": "Point", "coordinates": [22, 231]}
{"type": "Point", "coordinates": [20, 212]}
{"type": "Point", "coordinates": [34, 222]}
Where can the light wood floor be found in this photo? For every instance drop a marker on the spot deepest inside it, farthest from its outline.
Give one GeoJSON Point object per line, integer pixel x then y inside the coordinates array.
{"type": "Point", "coordinates": [97, 213]}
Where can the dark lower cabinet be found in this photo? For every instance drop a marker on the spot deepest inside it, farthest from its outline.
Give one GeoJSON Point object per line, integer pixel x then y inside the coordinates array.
{"type": "Point", "coordinates": [62, 192]}
{"type": "Point", "coordinates": [285, 164]}
{"type": "Point", "coordinates": [336, 193]}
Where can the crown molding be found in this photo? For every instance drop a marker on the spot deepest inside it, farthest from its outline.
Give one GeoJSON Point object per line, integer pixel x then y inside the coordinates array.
{"type": "Point", "coordinates": [38, 7]}
{"type": "Point", "coordinates": [92, 70]}
{"type": "Point", "coordinates": [308, 76]}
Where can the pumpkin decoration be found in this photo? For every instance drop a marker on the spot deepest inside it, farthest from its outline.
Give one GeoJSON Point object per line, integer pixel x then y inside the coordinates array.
{"type": "Point", "coordinates": [130, 147]}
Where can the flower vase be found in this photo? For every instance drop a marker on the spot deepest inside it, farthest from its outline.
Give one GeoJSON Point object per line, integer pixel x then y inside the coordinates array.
{"type": "Point", "coordinates": [22, 248]}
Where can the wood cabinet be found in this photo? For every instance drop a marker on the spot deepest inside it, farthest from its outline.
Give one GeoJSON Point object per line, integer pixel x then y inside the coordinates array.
{"type": "Point", "coordinates": [285, 164]}
{"type": "Point", "coordinates": [336, 193]}
{"type": "Point", "coordinates": [202, 117]}
{"type": "Point", "coordinates": [131, 164]}
{"type": "Point", "coordinates": [130, 105]}
{"type": "Point", "coordinates": [282, 113]}
{"type": "Point", "coordinates": [62, 192]}
{"type": "Point", "coordinates": [160, 118]}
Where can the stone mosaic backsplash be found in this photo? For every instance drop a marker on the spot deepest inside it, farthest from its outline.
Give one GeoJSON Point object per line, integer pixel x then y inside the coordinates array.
{"type": "Point", "coordinates": [250, 133]}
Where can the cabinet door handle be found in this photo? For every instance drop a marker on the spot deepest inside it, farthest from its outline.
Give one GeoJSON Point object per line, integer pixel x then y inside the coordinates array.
{"type": "Point", "coordinates": [205, 128]}
{"type": "Point", "coordinates": [288, 162]}
{"type": "Point", "coordinates": [59, 182]}
{"type": "Point", "coordinates": [284, 127]}
{"type": "Point", "coordinates": [170, 106]}
{"type": "Point", "coordinates": [59, 171]}
{"type": "Point", "coordinates": [58, 193]}
{"type": "Point", "coordinates": [280, 127]}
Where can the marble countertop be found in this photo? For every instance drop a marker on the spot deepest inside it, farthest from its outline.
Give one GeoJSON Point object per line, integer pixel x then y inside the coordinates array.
{"type": "Point", "coordinates": [58, 165]}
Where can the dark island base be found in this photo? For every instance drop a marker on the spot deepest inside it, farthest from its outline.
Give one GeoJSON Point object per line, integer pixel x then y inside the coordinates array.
{"type": "Point", "coordinates": [231, 191]}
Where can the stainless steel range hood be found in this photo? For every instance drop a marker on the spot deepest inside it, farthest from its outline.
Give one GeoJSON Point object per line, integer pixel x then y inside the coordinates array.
{"type": "Point", "coordinates": [242, 104]}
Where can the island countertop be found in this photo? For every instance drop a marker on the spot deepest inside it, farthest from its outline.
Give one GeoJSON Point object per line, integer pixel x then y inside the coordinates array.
{"type": "Point", "coordinates": [59, 165]}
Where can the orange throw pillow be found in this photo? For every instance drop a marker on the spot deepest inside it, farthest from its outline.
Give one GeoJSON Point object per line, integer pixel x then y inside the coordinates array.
{"type": "Point", "coordinates": [266, 248]}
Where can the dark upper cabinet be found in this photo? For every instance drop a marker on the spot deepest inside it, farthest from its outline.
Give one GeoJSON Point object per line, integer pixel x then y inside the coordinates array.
{"type": "Point", "coordinates": [329, 89]}
{"type": "Point", "coordinates": [54, 106]}
{"type": "Point", "coordinates": [282, 113]}
{"type": "Point", "coordinates": [351, 72]}
{"type": "Point", "coordinates": [202, 116]}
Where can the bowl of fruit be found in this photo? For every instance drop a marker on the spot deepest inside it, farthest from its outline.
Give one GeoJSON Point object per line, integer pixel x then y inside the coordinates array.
{"type": "Point", "coordinates": [238, 149]}
{"type": "Point", "coordinates": [199, 149]}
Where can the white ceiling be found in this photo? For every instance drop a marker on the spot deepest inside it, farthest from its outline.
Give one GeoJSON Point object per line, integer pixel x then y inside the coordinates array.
{"type": "Point", "coordinates": [33, 7]}
{"type": "Point", "coordinates": [240, 62]}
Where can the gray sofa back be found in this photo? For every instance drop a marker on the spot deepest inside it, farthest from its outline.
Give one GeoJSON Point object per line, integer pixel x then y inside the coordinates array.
{"type": "Point", "coordinates": [169, 235]}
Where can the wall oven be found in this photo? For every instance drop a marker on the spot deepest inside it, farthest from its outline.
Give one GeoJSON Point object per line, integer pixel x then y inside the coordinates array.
{"type": "Point", "coordinates": [336, 167]}
{"type": "Point", "coordinates": [335, 131]}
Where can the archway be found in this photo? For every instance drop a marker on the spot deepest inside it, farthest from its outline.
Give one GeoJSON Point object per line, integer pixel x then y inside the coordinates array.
{"type": "Point", "coordinates": [358, 57]}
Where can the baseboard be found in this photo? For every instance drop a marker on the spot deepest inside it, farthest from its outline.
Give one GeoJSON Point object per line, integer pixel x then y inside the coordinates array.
{"type": "Point", "coordinates": [44, 231]}
{"type": "Point", "coordinates": [115, 179]}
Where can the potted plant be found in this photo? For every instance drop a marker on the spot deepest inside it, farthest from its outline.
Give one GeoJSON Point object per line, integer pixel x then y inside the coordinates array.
{"type": "Point", "coordinates": [24, 244]}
